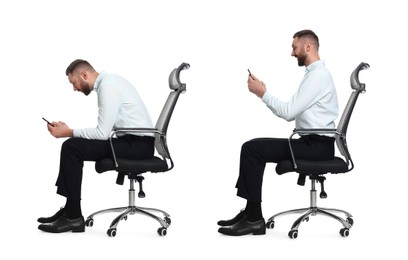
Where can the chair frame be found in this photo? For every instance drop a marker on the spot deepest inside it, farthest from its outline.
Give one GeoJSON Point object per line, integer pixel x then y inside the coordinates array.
{"type": "Point", "coordinates": [340, 137]}
{"type": "Point", "coordinates": [160, 133]}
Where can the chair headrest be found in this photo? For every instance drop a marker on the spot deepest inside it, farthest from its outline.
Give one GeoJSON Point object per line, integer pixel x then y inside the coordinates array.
{"type": "Point", "coordinates": [354, 80]}
{"type": "Point", "coordinates": [174, 78]}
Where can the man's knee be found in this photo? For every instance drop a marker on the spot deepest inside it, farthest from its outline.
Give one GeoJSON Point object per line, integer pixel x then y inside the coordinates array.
{"type": "Point", "coordinates": [249, 145]}
{"type": "Point", "coordinates": [71, 144]}
{"type": "Point", "coordinates": [248, 149]}
{"type": "Point", "coordinates": [68, 143]}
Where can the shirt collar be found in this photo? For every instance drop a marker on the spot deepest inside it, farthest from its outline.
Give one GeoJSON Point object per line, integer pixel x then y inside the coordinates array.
{"type": "Point", "coordinates": [99, 80]}
{"type": "Point", "coordinates": [313, 65]}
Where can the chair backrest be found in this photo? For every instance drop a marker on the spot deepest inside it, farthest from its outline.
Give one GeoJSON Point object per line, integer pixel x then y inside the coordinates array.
{"type": "Point", "coordinates": [348, 110]}
{"type": "Point", "coordinates": [163, 121]}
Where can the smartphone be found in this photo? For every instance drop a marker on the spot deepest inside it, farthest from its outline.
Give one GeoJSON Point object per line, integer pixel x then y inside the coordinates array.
{"type": "Point", "coordinates": [48, 122]}
{"type": "Point", "coordinates": [250, 74]}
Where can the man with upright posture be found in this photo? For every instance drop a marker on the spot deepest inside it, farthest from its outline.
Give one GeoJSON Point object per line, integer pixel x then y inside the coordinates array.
{"type": "Point", "coordinates": [314, 105]}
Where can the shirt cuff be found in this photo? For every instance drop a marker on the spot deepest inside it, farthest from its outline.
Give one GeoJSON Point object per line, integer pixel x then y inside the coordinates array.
{"type": "Point", "coordinates": [266, 97]}
{"type": "Point", "coordinates": [76, 132]}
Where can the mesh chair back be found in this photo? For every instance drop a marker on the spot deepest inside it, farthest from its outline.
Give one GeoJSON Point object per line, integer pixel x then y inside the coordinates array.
{"type": "Point", "coordinates": [343, 124]}
{"type": "Point", "coordinates": [167, 111]}
{"type": "Point", "coordinates": [348, 110]}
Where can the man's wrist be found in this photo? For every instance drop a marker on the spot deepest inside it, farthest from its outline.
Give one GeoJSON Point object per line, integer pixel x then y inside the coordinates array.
{"type": "Point", "coordinates": [70, 132]}
{"type": "Point", "coordinates": [265, 97]}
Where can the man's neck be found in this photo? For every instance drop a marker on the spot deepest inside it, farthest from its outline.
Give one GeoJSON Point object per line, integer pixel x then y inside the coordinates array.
{"type": "Point", "coordinates": [311, 60]}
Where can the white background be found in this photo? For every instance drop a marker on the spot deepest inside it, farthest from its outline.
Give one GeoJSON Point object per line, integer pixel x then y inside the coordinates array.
{"type": "Point", "coordinates": [144, 41]}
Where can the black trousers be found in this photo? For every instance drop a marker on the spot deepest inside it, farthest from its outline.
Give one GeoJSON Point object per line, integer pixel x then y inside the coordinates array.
{"type": "Point", "coordinates": [75, 151]}
{"type": "Point", "coordinates": [257, 152]}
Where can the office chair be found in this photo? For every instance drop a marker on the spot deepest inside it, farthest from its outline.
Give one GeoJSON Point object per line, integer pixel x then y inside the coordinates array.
{"type": "Point", "coordinates": [316, 169]}
{"type": "Point", "coordinates": [134, 169]}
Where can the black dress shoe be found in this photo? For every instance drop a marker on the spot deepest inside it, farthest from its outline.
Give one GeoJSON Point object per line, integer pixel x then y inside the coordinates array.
{"type": "Point", "coordinates": [232, 221]}
{"type": "Point", "coordinates": [64, 224]}
{"type": "Point", "coordinates": [52, 218]}
{"type": "Point", "coordinates": [244, 227]}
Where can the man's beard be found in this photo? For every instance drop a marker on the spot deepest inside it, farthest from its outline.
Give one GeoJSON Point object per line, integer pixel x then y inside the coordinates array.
{"type": "Point", "coordinates": [301, 60]}
{"type": "Point", "coordinates": [86, 89]}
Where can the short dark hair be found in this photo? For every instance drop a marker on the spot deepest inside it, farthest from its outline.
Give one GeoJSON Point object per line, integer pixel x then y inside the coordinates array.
{"type": "Point", "coordinates": [307, 33]}
{"type": "Point", "coordinates": [78, 63]}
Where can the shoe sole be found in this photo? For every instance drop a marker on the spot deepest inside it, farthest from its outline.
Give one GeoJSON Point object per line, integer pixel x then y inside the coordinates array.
{"type": "Point", "coordinates": [255, 233]}
{"type": "Point", "coordinates": [74, 230]}
{"type": "Point", "coordinates": [260, 232]}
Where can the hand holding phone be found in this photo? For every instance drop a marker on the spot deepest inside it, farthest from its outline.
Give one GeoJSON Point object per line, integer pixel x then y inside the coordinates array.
{"type": "Point", "coordinates": [48, 122]}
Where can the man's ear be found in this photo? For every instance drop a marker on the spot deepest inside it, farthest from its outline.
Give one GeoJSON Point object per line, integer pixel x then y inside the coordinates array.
{"type": "Point", "coordinates": [84, 75]}
{"type": "Point", "coordinates": [308, 47]}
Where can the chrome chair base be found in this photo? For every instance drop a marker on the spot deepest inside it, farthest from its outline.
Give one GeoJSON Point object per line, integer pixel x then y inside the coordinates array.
{"type": "Point", "coordinates": [313, 210]}
{"type": "Point", "coordinates": [131, 210]}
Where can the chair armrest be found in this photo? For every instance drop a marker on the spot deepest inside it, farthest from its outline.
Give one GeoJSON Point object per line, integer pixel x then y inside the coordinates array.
{"type": "Point", "coordinates": [308, 132]}
{"type": "Point", "coordinates": [129, 130]}
{"type": "Point", "coordinates": [135, 130]}
{"type": "Point", "coordinates": [315, 131]}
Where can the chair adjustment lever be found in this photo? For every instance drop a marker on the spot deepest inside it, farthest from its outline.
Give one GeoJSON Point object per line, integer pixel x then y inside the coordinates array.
{"type": "Point", "coordinates": [120, 179]}
{"type": "Point", "coordinates": [323, 194]}
{"type": "Point", "coordinates": [301, 180]}
{"type": "Point", "coordinates": [141, 193]}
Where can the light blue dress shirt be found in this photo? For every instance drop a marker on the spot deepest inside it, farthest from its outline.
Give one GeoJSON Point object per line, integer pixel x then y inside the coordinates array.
{"type": "Point", "coordinates": [119, 105]}
{"type": "Point", "coordinates": [314, 105]}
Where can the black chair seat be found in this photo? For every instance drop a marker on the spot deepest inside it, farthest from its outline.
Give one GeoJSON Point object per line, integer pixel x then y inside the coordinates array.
{"type": "Point", "coordinates": [304, 167]}
{"type": "Point", "coordinates": [155, 164]}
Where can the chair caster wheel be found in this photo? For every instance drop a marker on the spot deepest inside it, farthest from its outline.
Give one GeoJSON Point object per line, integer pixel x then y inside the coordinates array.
{"type": "Point", "coordinates": [112, 232]}
{"type": "Point", "coordinates": [89, 222]}
{"type": "Point", "coordinates": [344, 232]}
{"type": "Point", "coordinates": [350, 221]}
{"type": "Point", "coordinates": [167, 220]}
{"type": "Point", "coordinates": [162, 231]}
{"type": "Point", "coordinates": [293, 234]}
{"type": "Point", "coordinates": [270, 224]}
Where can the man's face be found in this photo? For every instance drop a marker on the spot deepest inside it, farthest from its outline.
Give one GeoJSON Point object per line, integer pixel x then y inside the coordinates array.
{"type": "Point", "coordinates": [79, 84]}
{"type": "Point", "coordinates": [298, 51]}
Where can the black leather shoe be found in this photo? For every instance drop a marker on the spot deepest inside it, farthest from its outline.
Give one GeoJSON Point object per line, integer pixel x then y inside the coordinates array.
{"type": "Point", "coordinates": [244, 227]}
{"type": "Point", "coordinates": [232, 221]}
{"type": "Point", "coordinates": [64, 224]}
{"type": "Point", "coordinates": [52, 218]}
